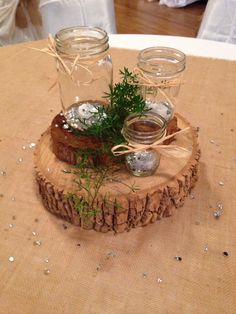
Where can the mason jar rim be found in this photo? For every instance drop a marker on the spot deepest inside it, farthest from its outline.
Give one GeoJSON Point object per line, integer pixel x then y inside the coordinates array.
{"type": "Point", "coordinates": [98, 43]}
{"type": "Point", "coordinates": [146, 55]}
{"type": "Point", "coordinates": [142, 136]}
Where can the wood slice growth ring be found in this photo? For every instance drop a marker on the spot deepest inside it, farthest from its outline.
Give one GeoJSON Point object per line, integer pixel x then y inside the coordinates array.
{"type": "Point", "coordinates": [158, 195]}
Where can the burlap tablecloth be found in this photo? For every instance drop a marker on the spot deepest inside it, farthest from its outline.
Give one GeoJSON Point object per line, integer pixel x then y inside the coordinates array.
{"type": "Point", "coordinates": [133, 272]}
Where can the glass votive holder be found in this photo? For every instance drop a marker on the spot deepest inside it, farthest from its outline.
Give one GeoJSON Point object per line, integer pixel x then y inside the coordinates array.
{"type": "Point", "coordinates": [84, 73]}
{"type": "Point", "coordinates": [161, 70]}
{"type": "Point", "coordinates": [145, 129]}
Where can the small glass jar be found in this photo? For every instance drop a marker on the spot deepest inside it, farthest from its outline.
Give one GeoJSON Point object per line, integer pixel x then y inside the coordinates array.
{"type": "Point", "coordinates": [145, 129]}
{"type": "Point", "coordinates": [84, 71]}
{"type": "Point", "coordinates": [162, 67]}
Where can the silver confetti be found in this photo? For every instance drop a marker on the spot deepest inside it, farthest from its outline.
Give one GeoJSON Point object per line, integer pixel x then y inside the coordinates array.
{"type": "Point", "coordinates": [24, 147]}
{"type": "Point", "coordinates": [46, 260]}
{"type": "Point", "coordinates": [10, 225]}
{"type": "Point", "coordinates": [206, 248]}
{"type": "Point", "coordinates": [37, 242]}
{"type": "Point", "coordinates": [159, 280]}
{"type": "Point", "coordinates": [20, 159]}
{"type": "Point", "coordinates": [56, 125]}
{"type": "Point", "coordinates": [145, 275]}
{"type": "Point", "coordinates": [48, 169]}
{"type": "Point", "coordinates": [34, 233]}
{"type": "Point", "coordinates": [13, 199]}
{"type": "Point", "coordinates": [212, 141]}
{"type": "Point", "coordinates": [217, 213]}
{"type": "Point", "coordinates": [61, 113]}
{"type": "Point", "coordinates": [3, 173]}
{"type": "Point", "coordinates": [47, 271]}
{"type": "Point", "coordinates": [192, 196]}
{"type": "Point", "coordinates": [178, 258]}
{"type": "Point", "coordinates": [32, 145]}
{"type": "Point", "coordinates": [220, 206]}
{"type": "Point", "coordinates": [221, 183]}
{"type": "Point", "coordinates": [112, 254]}
{"type": "Point", "coordinates": [65, 126]}
{"type": "Point", "coordinates": [11, 259]}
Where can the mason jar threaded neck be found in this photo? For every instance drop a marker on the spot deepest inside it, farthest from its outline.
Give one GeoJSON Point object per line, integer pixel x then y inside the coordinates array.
{"type": "Point", "coordinates": [81, 40]}
{"type": "Point", "coordinates": [144, 129]}
{"type": "Point", "coordinates": [161, 61]}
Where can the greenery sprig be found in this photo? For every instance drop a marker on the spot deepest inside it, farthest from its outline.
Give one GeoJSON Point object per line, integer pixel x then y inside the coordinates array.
{"type": "Point", "coordinates": [124, 98]}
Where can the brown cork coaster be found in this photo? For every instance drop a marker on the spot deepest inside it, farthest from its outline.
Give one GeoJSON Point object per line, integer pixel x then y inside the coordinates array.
{"type": "Point", "coordinates": [157, 195]}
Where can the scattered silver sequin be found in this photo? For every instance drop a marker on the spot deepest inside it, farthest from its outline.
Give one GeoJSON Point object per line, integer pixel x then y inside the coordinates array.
{"type": "Point", "coordinates": [61, 113]}
{"type": "Point", "coordinates": [32, 145]}
{"type": "Point", "coordinates": [56, 125]}
{"type": "Point", "coordinates": [11, 225]}
{"type": "Point", "coordinates": [11, 259]}
{"type": "Point", "coordinates": [37, 242]}
{"type": "Point", "coordinates": [48, 169]}
{"type": "Point", "coordinates": [192, 196]}
{"type": "Point", "coordinates": [34, 233]}
{"type": "Point", "coordinates": [24, 147]}
{"type": "Point", "coordinates": [3, 173]}
{"type": "Point", "coordinates": [19, 160]}
{"type": "Point", "coordinates": [13, 198]}
{"type": "Point", "coordinates": [206, 248]}
{"type": "Point", "coordinates": [220, 206]}
{"type": "Point", "coordinates": [46, 260]}
{"type": "Point", "coordinates": [178, 258]}
{"type": "Point", "coordinates": [47, 271]}
{"type": "Point", "coordinates": [112, 254]}
{"type": "Point", "coordinates": [212, 141]}
{"type": "Point", "coordinates": [65, 126]}
{"type": "Point", "coordinates": [145, 275]}
{"type": "Point", "coordinates": [159, 280]}
{"type": "Point", "coordinates": [217, 213]}
{"type": "Point", "coordinates": [221, 183]}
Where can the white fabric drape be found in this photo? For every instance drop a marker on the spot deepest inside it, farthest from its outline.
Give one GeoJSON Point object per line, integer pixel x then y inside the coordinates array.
{"type": "Point", "coordinates": [56, 14]}
{"type": "Point", "coordinates": [219, 21]}
{"type": "Point", "coordinates": [177, 3]}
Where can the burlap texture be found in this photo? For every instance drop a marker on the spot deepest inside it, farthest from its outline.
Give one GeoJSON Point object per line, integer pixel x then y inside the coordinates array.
{"type": "Point", "coordinates": [102, 273]}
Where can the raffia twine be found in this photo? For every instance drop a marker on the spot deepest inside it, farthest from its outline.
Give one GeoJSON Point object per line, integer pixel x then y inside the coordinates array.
{"type": "Point", "coordinates": [144, 80]}
{"type": "Point", "coordinates": [174, 151]}
{"type": "Point", "coordinates": [51, 51]}
{"type": "Point", "coordinates": [167, 150]}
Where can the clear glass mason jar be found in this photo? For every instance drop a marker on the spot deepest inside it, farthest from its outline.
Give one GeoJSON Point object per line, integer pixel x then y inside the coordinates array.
{"type": "Point", "coordinates": [145, 129]}
{"type": "Point", "coordinates": [85, 72]}
{"type": "Point", "coordinates": [162, 67]}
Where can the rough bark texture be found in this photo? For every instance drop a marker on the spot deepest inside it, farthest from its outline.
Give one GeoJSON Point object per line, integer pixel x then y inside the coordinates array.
{"type": "Point", "coordinates": [128, 210]}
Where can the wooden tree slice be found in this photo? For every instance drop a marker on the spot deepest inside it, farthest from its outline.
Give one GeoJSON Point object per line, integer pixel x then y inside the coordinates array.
{"type": "Point", "coordinates": [116, 206]}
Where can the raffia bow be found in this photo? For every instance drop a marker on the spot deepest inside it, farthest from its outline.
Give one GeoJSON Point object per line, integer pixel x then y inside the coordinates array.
{"type": "Point", "coordinates": [51, 51]}
{"type": "Point", "coordinates": [145, 80]}
{"type": "Point", "coordinates": [167, 150]}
